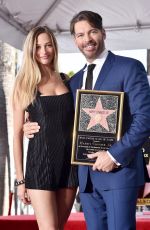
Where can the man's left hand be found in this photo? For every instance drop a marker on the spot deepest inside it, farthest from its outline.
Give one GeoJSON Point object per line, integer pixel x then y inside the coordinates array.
{"type": "Point", "coordinates": [103, 162]}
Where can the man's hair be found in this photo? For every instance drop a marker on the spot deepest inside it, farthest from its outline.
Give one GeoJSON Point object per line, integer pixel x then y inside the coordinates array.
{"type": "Point", "coordinates": [93, 18]}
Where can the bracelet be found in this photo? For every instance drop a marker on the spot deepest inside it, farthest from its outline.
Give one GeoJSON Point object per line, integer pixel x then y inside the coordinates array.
{"type": "Point", "coordinates": [19, 182]}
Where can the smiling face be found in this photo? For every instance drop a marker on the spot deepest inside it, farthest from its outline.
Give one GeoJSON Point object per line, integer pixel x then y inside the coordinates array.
{"type": "Point", "coordinates": [44, 49]}
{"type": "Point", "coordinates": [89, 40]}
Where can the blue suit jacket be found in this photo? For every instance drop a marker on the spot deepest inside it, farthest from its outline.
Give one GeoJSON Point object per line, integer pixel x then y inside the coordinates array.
{"type": "Point", "coordinates": [127, 75]}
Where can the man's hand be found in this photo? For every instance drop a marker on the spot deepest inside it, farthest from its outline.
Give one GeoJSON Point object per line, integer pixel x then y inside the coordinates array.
{"type": "Point", "coordinates": [103, 162]}
{"type": "Point", "coordinates": [30, 128]}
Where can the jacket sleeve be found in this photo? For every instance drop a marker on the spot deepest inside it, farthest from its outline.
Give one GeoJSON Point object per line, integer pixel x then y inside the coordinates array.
{"type": "Point", "coordinates": [137, 98]}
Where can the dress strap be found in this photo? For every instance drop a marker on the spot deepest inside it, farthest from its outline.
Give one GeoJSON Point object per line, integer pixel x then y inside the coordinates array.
{"type": "Point", "coordinates": [65, 78]}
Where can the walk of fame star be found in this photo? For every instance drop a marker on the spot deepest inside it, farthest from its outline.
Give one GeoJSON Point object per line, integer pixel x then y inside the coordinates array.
{"type": "Point", "coordinates": [98, 115]}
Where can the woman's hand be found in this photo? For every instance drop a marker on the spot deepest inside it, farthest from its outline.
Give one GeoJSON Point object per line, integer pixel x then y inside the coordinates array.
{"type": "Point", "coordinates": [23, 195]}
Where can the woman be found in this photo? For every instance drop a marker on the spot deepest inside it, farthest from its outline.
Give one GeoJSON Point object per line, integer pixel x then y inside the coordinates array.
{"type": "Point", "coordinates": [50, 181]}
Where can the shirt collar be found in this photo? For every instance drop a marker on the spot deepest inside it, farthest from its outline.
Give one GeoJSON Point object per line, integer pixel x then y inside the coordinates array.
{"type": "Point", "coordinates": [102, 57]}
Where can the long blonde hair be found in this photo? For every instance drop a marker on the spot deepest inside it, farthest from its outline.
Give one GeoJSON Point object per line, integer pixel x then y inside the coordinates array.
{"type": "Point", "coordinates": [29, 75]}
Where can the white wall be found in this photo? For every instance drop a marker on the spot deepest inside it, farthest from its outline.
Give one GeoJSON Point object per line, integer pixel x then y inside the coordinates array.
{"type": "Point", "coordinates": [75, 61]}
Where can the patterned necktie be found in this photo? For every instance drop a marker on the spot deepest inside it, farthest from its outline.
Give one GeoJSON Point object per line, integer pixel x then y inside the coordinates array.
{"type": "Point", "coordinates": [89, 78]}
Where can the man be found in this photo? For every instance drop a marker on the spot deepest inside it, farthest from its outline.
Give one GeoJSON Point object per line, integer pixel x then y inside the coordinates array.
{"type": "Point", "coordinates": [109, 189]}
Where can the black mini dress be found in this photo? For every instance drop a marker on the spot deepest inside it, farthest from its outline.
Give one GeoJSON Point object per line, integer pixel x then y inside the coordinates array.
{"type": "Point", "coordinates": [48, 164]}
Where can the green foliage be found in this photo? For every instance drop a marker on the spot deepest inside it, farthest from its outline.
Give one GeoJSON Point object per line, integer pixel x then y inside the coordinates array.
{"type": "Point", "coordinates": [70, 73]}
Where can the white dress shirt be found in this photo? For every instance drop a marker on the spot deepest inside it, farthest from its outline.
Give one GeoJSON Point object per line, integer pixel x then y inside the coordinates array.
{"type": "Point", "coordinates": [99, 63]}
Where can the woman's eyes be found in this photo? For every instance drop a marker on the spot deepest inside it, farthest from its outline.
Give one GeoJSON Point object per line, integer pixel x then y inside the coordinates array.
{"type": "Point", "coordinates": [39, 47]}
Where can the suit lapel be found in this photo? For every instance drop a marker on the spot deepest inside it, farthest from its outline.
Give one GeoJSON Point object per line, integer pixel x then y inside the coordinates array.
{"type": "Point", "coordinates": [80, 82]}
{"type": "Point", "coordinates": [80, 78]}
{"type": "Point", "coordinates": [105, 70]}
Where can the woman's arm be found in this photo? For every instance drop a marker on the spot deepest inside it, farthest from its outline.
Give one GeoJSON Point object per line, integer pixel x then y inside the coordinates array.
{"type": "Point", "coordinates": [18, 120]}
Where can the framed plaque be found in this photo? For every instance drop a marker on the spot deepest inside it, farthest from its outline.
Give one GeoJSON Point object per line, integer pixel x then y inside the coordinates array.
{"type": "Point", "coordinates": [97, 124]}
